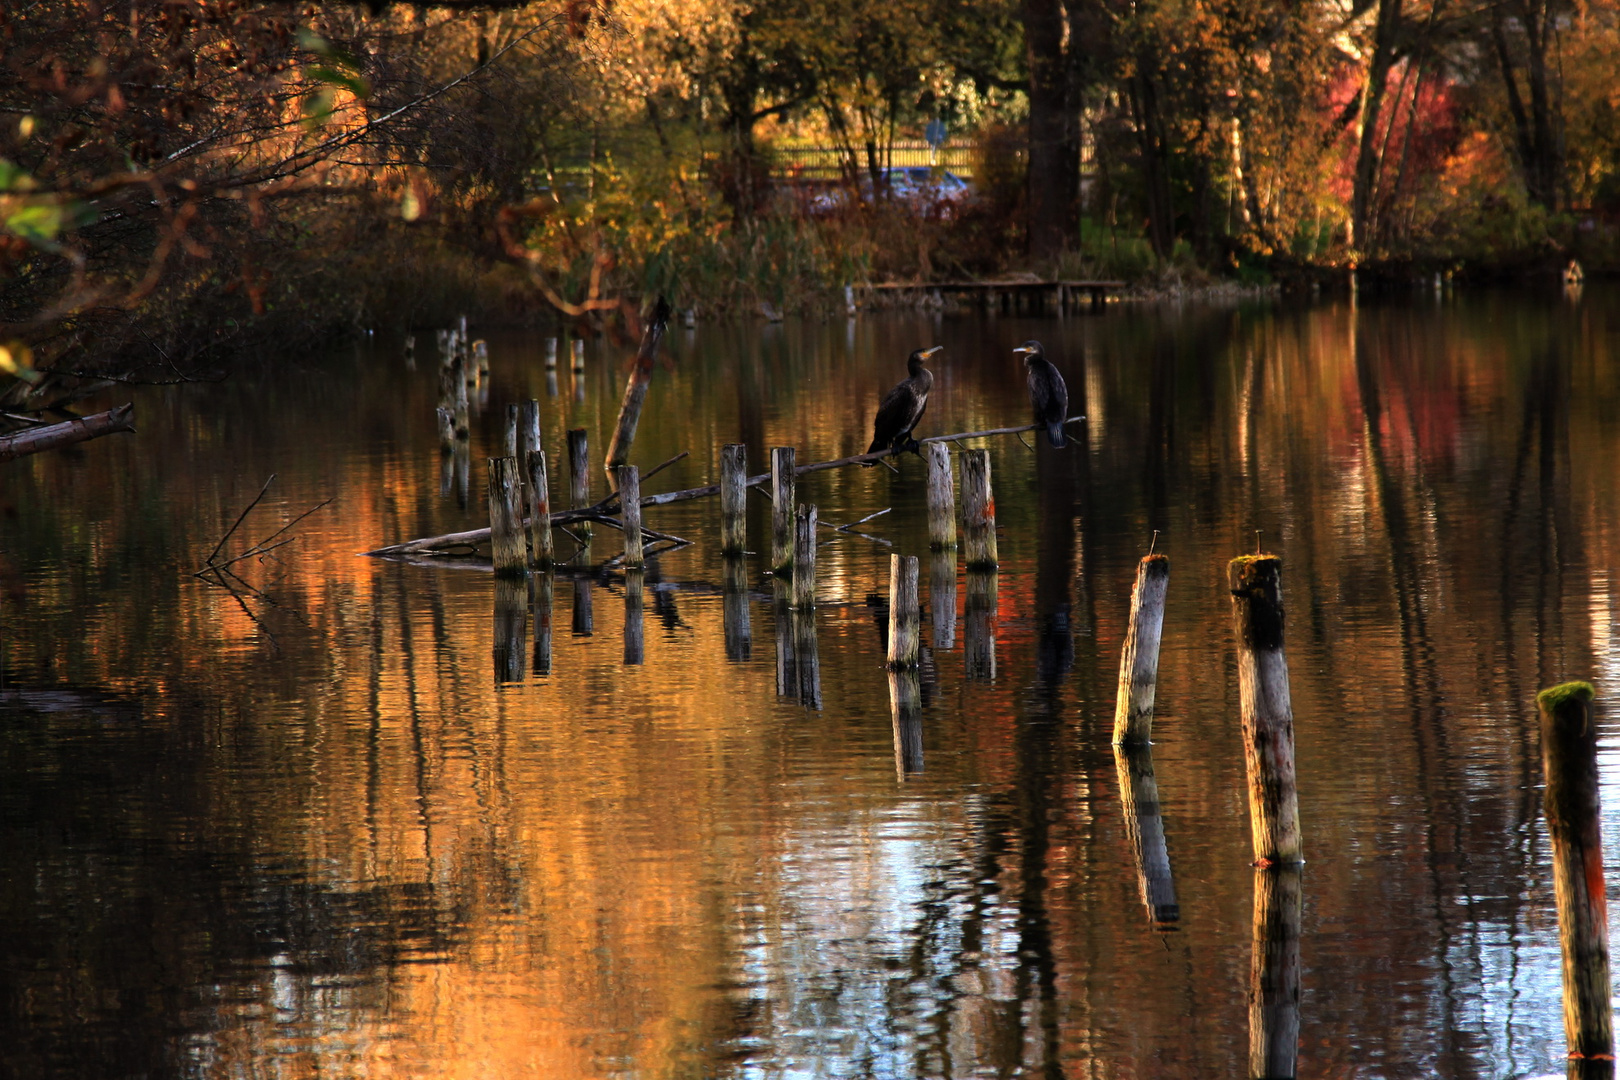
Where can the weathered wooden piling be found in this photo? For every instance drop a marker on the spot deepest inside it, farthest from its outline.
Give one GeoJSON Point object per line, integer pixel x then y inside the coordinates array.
{"type": "Point", "coordinates": [783, 484]}
{"type": "Point", "coordinates": [447, 429]}
{"type": "Point", "coordinates": [1274, 973]}
{"type": "Point", "coordinates": [579, 478]}
{"type": "Point", "coordinates": [942, 597]}
{"type": "Point", "coordinates": [538, 490]}
{"type": "Point", "coordinates": [507, 545]}
{"type": "Point", "coordinates": [579, 354]}
{"type": "Point", "coordinates": [737, 614]}
{"type": "Point", "coordinates": [529, 437]}
{"type": "Point", "coordinates": [512, 430]}
{"type": "Point", "coordinates": [510, 649]}
{"type": "Point", "coordinates": [584, 623]}
{"type": "Point", "coordinates": [807, 657]}
{"type": "Point", "coordinates": [551, 352]}
{"type": "Point", "coordinates": [941, 496]}
{"type": "Point", "coordinates": [978, 510]}
{"type": "Point", "coordinates": [1144, 828]}
{"type": "Point", "coordinates": [905, 710]}
{"type": "Point", "coordinates": [979, 613]}
{"type": "Point", "coordinates": [804, 558]}
{"type": "Point", "coordinates": [634, 639]}
{"type": "Point", "coordinates": [1574, 823]}
{"type": "Point", "coordinates": [1139, 660]}
{"type": "Point", "coordinates": [635, 388]}
{"type": "Point", "coordinates": [542, 597]}
{"type": "Point", "coordinates": [1267, 715]}
{"type": "Point", "coordinates": [905, 628]}
{"type": "Point", "coordinates": [733, 499]}
{"type": "Point", "coordinates": [627, 478]}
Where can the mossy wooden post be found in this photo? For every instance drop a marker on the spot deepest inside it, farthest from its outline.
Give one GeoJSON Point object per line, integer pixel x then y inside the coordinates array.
{"type": "Point", "coordinates": [905, 623]}
{"type": "Point", "coordinates": [979, 652]}
{"type": "Point", "coordinates": [551, 353]}
{"type": "Point", "coordinates": [512, 411]}
{"type": "Point", "coordinates": [635, 390]}
{"type": "Point", "coordinates": [1274, 973]}
{"type": "Point", "coordinates": [782, 496]}
{"type": "Point", "coordinates": [528, 428]}
{"type": "Point", "coordinates": [978, 510]}
{"type": "Point", "coordinates": [1569, 761]}
{"type": "Point", "coordinates": [737, 615]}
{"type": "Point", "coordinates": [1139, 661]}
{"type": "Point", "coordinates": [733, 499]}
{"type": "Point", "coordinates": [941, 496]}
{"type": "Point", "coordinates": [579, 479]}
{"type": "Point", "coordinates": [1144, 828]}
{"type": "Point", "coordinates": [628, 480]}
{"type": "Point", "coordinates": [507, 545]}
{"type": "Point", "coordinates": [942, 597]}
{"type": "Point", "coordinates": [905, 710]}
{"type": "Point", "coordinates": [538, 490]}
{"type": "Point", "coordinates": [542, 595]}
{"type": "Point", "coordinates": [1267, 715]}
{"type": "Point", "coordinates": [804, 559]}
{"type": "Point", "coordinates": [584, 622]}
{"type": "Point", "coordinates": [510, 647]}
{"type": "Point", "coordinates": [634, 638]}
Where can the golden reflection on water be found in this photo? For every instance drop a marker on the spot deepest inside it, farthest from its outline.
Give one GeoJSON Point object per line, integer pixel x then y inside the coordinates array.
{"type": "Point", "coordinates": [596, 826]}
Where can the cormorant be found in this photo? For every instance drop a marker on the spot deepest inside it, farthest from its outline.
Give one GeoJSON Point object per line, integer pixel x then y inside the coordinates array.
{"type": "Point", "coordinates": [903, 406]}
{"type": "Point", "coordinates": [1047, 392]}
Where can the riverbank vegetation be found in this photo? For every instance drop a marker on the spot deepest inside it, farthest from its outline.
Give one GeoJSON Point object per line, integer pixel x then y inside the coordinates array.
{"type": "Point", "coordinates": [181, 182]}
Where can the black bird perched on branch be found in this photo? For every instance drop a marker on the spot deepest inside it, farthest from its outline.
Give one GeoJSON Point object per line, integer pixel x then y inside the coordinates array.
{"type": "Point", "coordinates": [902, 407]}
{"type": "Point", "coordinates": [1047, 392]}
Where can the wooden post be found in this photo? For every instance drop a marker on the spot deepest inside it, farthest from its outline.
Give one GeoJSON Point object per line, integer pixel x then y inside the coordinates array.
{"type": "Point", "coordinates": [628, 481]}
{"type": "Point", "coordinates": [506, 542]}
{"type": "Point", "coordinates": [737, 616]}
{"type": "Point", "coordinates": [980, 612]}
{"type": "Point", "coordinates": [634, 641]}
{"type": "Point", "coordinates": [733, 499]}
{"type": "Point", "coordinates": [804, 559]}
{"type": "Point", "coordinates": [942, 597]}
{"type": "Point", "coordinates": [905, 710]}
{"type": "Point", "coordinates": [941, 496]}
{"type": "Point", "coordinates": [538, 490]}
{"type": "Point", "coordinates": [579, 478]}
{"type": "Point", "coordinates": [978, 510]}
{"type": "Point", "coordinates": [1139, 660]}
{"type": "Point", "coordinates": [904, 620]}
{"type": "Point", "coordinates": [542, 593]}
{"type": "Point", "coordinates": [578, 345]}
{"type": "Point", "coordinates": [528, 428]}
{"type": "Point", "coordinates": [1569, 762]}
{"type": "Point", "coordinates": [1144, 827]}
{"type": "Point", "coordinates": [635, 390]}
{"type": "Point", "coordinates": [447, 429]}
{"type": "Point", "coordinates": [1274, 973]}
{"type": "Point", "coordinates": [511, 627]}
{"type": "Point", "coordinates": [584, 624]}
{"type": "Point", "coordinates": [512, 430]}
{"type": "Point", "coordinates": [782, 496]}
{"type": "Point", "coordinates": [551, 353]}
{"type": "Point", "coordinates": [807, 656]}
{"type": "Point", "coordinates": [1268, 717]}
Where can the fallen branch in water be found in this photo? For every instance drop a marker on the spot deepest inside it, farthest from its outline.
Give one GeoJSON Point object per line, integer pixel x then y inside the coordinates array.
{"type": "Point", "coordinates": [594, 513]}
{"type": "Point", "coordinates": [52, 436]}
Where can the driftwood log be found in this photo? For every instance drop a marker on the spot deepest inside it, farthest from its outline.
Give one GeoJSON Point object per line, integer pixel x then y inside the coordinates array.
{"type": "Point", "coordinates": [609, 505]}
{"type": "Point", "coordinates": [52, 436]}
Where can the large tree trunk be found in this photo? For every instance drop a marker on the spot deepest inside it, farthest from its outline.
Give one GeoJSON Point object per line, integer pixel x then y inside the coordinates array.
{"type": "Point", "coordinates": [1154, 145]}
{"type": "Point", "coordinates": [1538, 142]}
{"type": "Point", "coordinates": [1368, 158]}
{"type": "Point", "coordinates": [1054, 130]}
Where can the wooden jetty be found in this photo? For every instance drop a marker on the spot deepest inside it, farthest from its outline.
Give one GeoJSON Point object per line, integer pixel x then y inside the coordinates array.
{"type": "Point", "coordinates": [1012, 294]}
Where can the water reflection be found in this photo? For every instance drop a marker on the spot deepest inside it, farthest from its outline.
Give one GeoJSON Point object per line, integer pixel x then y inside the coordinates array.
{"type": "Point", "coordinates": [905, 710]}
{"type": "Point", "coordinates": [584, 620]}
{"type": "Point", "coordinates": [542, 594]}
{"type": "Point", "coordinates": [1274, 1018]}
{"type": "Point", "coordinates": [511, 628]}
{"type": "Point", "coordinates": [634, 644]}
{"type": "Point", "coordinates": [942, 598]}
{"type": "Point", "coordinates": [980, 615]}
{"type": "Point", "coordinates": [737, 616]}
{"type": "Point", "coordinates": [1144, 826]}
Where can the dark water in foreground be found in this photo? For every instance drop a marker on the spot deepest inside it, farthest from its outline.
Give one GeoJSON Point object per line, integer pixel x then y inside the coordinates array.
{"type": "Point", "coordinates": [306, 833]}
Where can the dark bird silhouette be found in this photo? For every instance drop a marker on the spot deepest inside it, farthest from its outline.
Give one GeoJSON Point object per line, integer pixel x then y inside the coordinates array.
{"type": "Point", "coordinates": [1047, 392]}
{"type": "Point", "coordinates": [902, 407]}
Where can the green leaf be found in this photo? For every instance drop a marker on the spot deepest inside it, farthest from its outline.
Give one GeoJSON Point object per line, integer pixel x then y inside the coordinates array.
{"type": "Point", "coordinates": [38, 223]}
{"type": "Point", "coordinates": [14, 177]}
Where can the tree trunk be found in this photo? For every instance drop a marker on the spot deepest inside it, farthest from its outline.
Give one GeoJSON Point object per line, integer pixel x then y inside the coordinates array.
{"type": "Point", "coordinates": [1054, 130]}
{"type": "Point", "coordinates": [1153, 143]}
{"type": "Point", "coordinates": [1372, 102]}
{"type": "Point", "coordinates": [23, 443]}
{"type": "Point", "coordinates": [1537, 141]}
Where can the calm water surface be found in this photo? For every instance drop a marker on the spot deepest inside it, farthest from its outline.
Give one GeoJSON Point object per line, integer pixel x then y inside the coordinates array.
{"type": "Point", "coordinates": [331, 824]}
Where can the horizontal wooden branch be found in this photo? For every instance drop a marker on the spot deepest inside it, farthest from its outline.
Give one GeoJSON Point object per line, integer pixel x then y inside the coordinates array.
{"type": "Point", "coordinates": [594, 513]}
{"type": "Point", "coordinates": [52, 436]}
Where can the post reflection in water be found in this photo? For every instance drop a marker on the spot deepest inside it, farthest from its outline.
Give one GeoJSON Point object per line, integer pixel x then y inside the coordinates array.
{"type": "Point", "coordinates": [511, 628]}
{"type": "Point", "coordinates": [808, 657]}
{"type": "Point", "coordinates": [634, 647]}
{"type": "Point", "coordinates": [1144, 827]}
{"type": "Point", "coordinates": [542, 596]}
{"type": "Point", "coordinates": [787, 666]}
{"type": "Point", "coordinates": [1274, 973]}
{"type": "Point", "coordinates": [551, 383]}
{"type": "Point", "coordinates": [980, 615]}
{"type": "Point", "coordinates": [942, 597]}
{"type": "Point", "coordinates": [905, 709]}
{"type": "Point", "coordinates": [584, 623]}
{"type": "Point", "coordinates": [736, 613]}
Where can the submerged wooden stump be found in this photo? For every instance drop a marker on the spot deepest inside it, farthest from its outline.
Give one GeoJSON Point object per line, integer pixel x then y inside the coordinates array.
{"type": "Point", "coordinates": [905, 621]}
{"type": "Point", "coordinates": [804, 558]}
{"type": "Point", "coordinates": [733, 499]}
{"type": "Point", "coordinates": [628, 479]}
{"type": "Point", "coordinates": [1267, 714]}
{"type": "Point", "coordinates": [1139, 661]}
{"type": "Point", "coordinates": [941, 496]}
{"type": "Point", "coordinates": [783, 482]}
{"type": "Point", "coordinates": [579, 478]}
{"type": "Point", "coordinates": [508, 548]}
{"type": "Point", "coordinates": [978, 510]}
{"type": "Point", "coordinates": [538, 490]}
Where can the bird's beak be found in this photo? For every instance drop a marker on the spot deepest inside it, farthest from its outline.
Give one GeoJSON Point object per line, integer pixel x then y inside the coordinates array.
{"type": "Point", "coordinates": [1022, 349]}
{"type": "Point", "coordinates": [929, 355]}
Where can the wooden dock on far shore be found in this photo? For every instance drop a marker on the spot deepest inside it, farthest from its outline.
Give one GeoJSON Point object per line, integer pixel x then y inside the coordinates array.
{"type": "Point", "coordinates": [1012, 295]}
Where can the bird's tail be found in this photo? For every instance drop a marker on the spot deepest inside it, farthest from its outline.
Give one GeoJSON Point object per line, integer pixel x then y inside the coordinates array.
{"type": "Point", "coordinates": [874, 448]}
{"type": "Point", "coordinates": [1055, 436]}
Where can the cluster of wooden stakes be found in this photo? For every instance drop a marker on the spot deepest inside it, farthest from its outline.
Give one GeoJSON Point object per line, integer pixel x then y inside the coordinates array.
{"type": "Point", "coordinates": [520, 536]}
